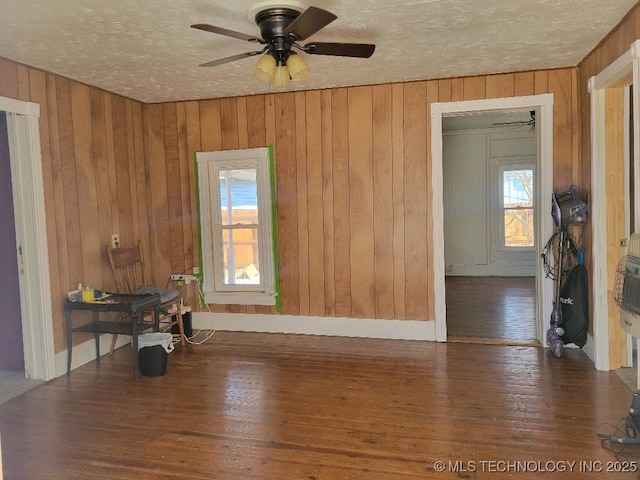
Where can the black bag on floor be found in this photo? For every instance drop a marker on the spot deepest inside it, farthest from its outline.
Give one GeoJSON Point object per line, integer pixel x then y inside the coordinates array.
{"type": "Point", "coordinates": [574, 297]}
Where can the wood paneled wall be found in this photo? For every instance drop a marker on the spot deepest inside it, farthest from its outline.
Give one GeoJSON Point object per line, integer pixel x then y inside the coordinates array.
{"type": "Point", "coordinates": [353, 182]}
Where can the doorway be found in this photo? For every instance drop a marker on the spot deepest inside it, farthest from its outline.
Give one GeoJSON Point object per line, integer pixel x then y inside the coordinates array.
{"type": "Point", "coordinates": [489, 175]}
{"type": "Point", "coordinates": [543, 105]}
{"type": "Point", "coordinates": [33, 267]}
{"type": "Point", "coordinates": [11, 350]}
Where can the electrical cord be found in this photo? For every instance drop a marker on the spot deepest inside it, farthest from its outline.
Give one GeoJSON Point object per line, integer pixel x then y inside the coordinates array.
{"type": "Point", "coordinates": [550, 254]}
{"type": "Point", "coordinates": [619, 450]}
{"type": "Point", "coordinates": [191, 340]}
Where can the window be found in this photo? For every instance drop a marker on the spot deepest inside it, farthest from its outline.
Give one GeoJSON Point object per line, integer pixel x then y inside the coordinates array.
{"type": "Point", "coordinates": [236, 227]}
{"type": "Point", "coordinates": [516, 229]}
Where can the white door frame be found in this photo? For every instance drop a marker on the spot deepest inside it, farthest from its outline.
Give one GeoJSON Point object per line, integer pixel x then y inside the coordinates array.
{"type": "Point", "coordinates": [31, 236]}
{"type": "Point", "coordinates": [544, 223]}
{"type": "Point", "coordinates": [625, 65]}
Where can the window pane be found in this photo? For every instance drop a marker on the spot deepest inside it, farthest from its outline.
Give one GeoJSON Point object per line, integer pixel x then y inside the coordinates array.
{"type": "Point", "coordinates": [241, 260]}
{"type": "Point", "coordinates": [239, 197]}
{"type": "Point", "coordinates": [517, 188]}
{"type": "Point", "coordinates": [518, 227]}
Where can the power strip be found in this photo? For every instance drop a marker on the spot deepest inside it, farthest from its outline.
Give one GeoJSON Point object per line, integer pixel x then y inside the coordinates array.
{"type": "Point", "coordinates": [184, 278]}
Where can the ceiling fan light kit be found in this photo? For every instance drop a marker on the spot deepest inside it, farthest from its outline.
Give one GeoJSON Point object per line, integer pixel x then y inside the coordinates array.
{"type": "Point", "coordinates": [281, 77]}
{"type": "Point", "coordinates": [298, 68]}
{"type": "Point", "coordinates": [265, 68]}
{"type": "Point", "coordinates": [282, 24]}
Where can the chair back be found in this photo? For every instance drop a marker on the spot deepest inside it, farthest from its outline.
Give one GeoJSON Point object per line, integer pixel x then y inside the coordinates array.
{"type": "Point", "coordinates": [127, 265]}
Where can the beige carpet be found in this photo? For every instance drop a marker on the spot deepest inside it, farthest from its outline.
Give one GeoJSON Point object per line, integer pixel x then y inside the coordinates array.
{"type": "Point", "coordinates": [629, 375]}
{"type": "Point", "coordinates": [13, 383]}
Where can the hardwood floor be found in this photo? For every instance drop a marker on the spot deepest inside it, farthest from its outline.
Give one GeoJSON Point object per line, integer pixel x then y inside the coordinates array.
{"type": "Point", "coordinates": [267, 406]}
{"type": "Point", "coordinates": [491, 309]}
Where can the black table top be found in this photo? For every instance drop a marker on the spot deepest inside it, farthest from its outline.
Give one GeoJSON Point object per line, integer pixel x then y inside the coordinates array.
{"type": "Point", "coordinates": [117, 302]}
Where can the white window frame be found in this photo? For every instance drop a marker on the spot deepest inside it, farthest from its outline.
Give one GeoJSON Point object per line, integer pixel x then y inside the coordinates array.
{"type": "Point", "coordinates": [215, 291]}
{"type": "Point", "coordinates": [499, 167]}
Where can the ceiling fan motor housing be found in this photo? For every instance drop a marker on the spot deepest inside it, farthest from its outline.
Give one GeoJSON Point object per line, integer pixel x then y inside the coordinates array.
{"type": "Point", "coordinates": [272, 23]}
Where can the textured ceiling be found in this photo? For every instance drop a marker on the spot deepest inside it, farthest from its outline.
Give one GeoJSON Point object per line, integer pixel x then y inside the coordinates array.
{"type": "Point", "coordinates": [146, 50]}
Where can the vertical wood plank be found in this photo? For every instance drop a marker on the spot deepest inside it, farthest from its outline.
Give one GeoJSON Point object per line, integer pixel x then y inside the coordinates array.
{"type": "Point", "coordinates": [328, 212]}
{"type": "Point", "coordinates": [574, 112]}
{"type": "Point", "coordinates": [502, 85]}
{"type": "Point", "coordinates": [397, 171]}
{"type": "Point", "coordinates": [192, 133]}
{"type": "Point", "coordinates": [133, 187]}
{"type": "Point", "coordinates": [303, 202]}
{"type": "Point", "coordinates": [139, 179]}
{"type": "Point", "coordinates": [341, 219]}
{"type": "Point", "coordinates": [71, 230]}
{"type": "Point", "coordinates": [315, 204]}
{"type": "Point", "coordinates": [23, 83]}
{"type": "Point", "coordinates": [286, 177]}
{"type": "Point", "coordinates": [560, 86]}
{"type": "Point", "coordinates": [176, 247]}
{"type": "Point", "coordinates": [540, 82]}
{"type": "Point", "coordinates": [187, 192]}
{"type": "Point", "coordinates": [415, 200]}
{"type": "Point", "coordinates": [382, 200]}
{"type": "Point", "coordinates": [111, 175]}
{"type": "Point", "coordinates": [229, 123]}
{"type": "Point", "coordinates": [85, 177]}
{"type": "Point", "coordinates": [158, 255]}
{"type": "Point", "coordinates": [474, 88]}
{"type": "Point", "coordinates": [457, 89]}
{"type": "Point", "coordinates": [9, 76]}
{"type": "Point", "coordinates": [243, 129]}
{"type": "Point", "coordinates": [444, 89]}
{"type": "Point", "coordinates": [255, 118]}
{"type": "Point", "coordinates": [361, 245]}
{"type": "Point", "coordinates": [99, 156]}
{"type": "Point", "coordinates": [123, 189]}
{"type": "Point", "coordinates": [210, 126]}
{"type": "Point", "coordinates": [270, 120]}
{"type": "Point", "coordinates": [56, 211]}
{"type": "Point", "coordinates": [523, 84]}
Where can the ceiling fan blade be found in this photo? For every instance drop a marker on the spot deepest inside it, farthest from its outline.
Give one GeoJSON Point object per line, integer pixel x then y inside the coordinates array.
{"type": "Point", "coordinates": [228, 33]}
{"type": "Point", "coordinates": [308, 23]}
{"type": "Point", "coordinates": [232, 58]}
{"type": "Point", "coordinates": [361, 50]}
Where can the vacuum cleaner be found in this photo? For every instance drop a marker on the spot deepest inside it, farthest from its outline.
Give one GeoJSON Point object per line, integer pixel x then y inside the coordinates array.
{"type": "Point", "coordinates": [567, 208]}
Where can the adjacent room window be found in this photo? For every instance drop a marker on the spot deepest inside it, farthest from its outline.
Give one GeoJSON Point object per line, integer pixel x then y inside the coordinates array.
{"type": "Point", "coordinates": [516, 228]}
{"type": "Point", "coordinates": [236, 227]}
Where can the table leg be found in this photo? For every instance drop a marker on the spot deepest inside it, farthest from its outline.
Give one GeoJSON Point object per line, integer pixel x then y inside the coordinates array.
{"type": "Point", "coordinates": [134, 341]}
{"type": "Point", "coordinates": [69, 339]}
{"type": "Point", "coordinates": [96, 317]}
{"type": "Point", "coordinates": [156, 318]}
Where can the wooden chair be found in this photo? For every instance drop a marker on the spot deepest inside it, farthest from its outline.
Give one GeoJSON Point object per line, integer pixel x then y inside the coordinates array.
{"type": "Point", "coordinates": [127, 265]}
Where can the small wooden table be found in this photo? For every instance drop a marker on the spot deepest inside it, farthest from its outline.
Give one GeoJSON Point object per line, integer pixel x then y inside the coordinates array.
{"type": "Point", "coordinates": [130, 304]}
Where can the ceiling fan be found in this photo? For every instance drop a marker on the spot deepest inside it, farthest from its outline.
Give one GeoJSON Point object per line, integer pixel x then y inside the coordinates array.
{"type": "Point", "coordinates": [282, 25]}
